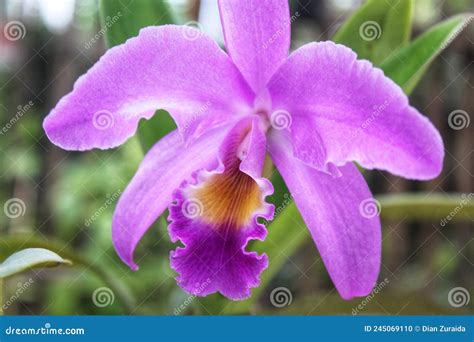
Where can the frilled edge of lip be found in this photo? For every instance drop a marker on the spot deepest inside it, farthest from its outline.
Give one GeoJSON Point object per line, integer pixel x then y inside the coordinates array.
{"type": "Point", "coordinates": [214, 257]}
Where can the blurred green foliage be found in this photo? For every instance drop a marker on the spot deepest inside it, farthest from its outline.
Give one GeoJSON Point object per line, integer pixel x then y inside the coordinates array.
{"type": "Point", "coordinates": [377, 29]}
{"type": "Point", "coordinates": [407, 65]}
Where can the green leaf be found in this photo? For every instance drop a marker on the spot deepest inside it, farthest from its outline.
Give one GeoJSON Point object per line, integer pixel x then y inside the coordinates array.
{"type": "Point", "coordinates": [408, 65]}
{"type": "Point", "coordinates": [430, 207]}
{"type": "Point", "coordinates": [30, 258]}
{"type": "Point", "coordinates": [12, 243]}
{"type": "Point", "coordinates": [124, 19]}
{"type": "Point", "coordinates": [377, 29]}
{"type": "Point", "coordinates": [152, 130]}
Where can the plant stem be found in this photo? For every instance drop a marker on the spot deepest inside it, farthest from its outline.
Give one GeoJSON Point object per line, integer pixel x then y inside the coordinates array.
{"type": "Point", "coordinates": [431, 207]}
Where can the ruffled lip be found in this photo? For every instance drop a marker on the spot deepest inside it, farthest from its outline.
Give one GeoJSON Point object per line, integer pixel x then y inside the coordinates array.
{"type": "Point", "coordinates": [214, 257]}
{"type": "Point", "coordinates": [215, 214]}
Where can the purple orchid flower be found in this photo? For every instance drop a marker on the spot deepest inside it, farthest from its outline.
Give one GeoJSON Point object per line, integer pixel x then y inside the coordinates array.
{"type": "Point", "coordinates": [313, 112]}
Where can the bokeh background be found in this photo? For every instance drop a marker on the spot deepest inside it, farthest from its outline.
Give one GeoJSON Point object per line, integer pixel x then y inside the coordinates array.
{"type": "Point", "coordinates": [69, 197]}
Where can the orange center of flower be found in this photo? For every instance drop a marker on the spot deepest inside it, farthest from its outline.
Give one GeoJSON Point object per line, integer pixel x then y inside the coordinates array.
{"type": "Point", "coordinates": [230, 198]}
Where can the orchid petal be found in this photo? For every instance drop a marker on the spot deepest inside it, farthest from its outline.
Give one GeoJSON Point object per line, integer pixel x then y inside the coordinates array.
{"type": "Point", "coordinates": [346, 233]}
{"type": "Point", "coordinates": [215, 216]}
{"type": "Point", "coordinates": [150, 191]}
{"type": "Point", "coordinates": [168, 67]}
{"type": "Point", "coordinates": [257, 36]}
{"type": "Point", "coordinates": [358, 113]}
